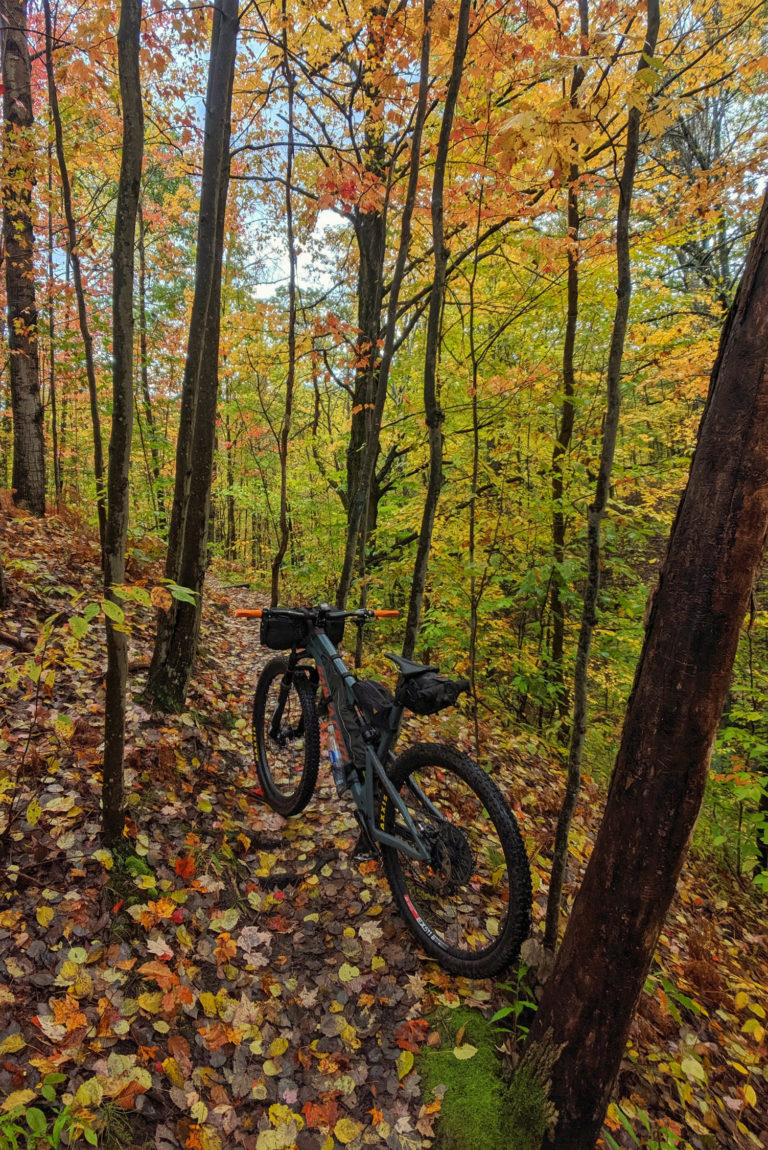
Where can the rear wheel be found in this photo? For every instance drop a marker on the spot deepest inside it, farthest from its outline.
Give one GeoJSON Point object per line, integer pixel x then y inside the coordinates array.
{"type": "Point", "coordinates": [286, 738]}
{"type": "Point", "coordinates": [469, 905]}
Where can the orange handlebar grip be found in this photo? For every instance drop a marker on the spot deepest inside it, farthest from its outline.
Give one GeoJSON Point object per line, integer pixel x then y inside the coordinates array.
{"type": "Point", "coordinates": [249, 612]}
{"type": "Point", "coordinates": [386, 614]}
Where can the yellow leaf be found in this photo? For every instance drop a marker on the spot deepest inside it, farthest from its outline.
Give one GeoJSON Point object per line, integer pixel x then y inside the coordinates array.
{"type": "Point", "coordinates": [208, 1003]}
{"type": "Point", "coordinates": [404, 1063]}
{"type": "Point", "coordinates": [465, 1051]}
{"type": "Point", "coordinates": [347, 972]}
{"type": "Point", "coordinates": [89, 1095]}
{"type": "Point", "coordinates": [346, 1129]}
{"type": "Point", "coordinates": [209, 1139]}
{"type": "Point", "coordinates": [377, 962]}
{"type": "Point", "coordinates": [749, 1095]}
{"type": "Point", "coordinates": [151, 1001]}
{"type": "Point", "coordinates": [11, 1044]}
{"type": "Point", "coordinates": [17, 1098]}
{"type": "Point", "coordinates": [280, 1139]}
{"type": "Point", "coordinates": [742, 998]}
{"type": "Point", "coordinates": [278, 1046]}
{"type": "Point", "coordinates": [173, 1071]}
{"type": "Point", "coordinates": [199, 1111]}
{"type": "Point", "coordinates": [34, 810]}
{"type": "Point", "coordinates": [282, 1115]}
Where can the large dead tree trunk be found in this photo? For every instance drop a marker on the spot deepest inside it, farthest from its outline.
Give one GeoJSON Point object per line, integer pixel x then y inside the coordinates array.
{"type": "Point", "coordinates": [18, 180]}
{"type": "Point", "coordinates": [716, 544]}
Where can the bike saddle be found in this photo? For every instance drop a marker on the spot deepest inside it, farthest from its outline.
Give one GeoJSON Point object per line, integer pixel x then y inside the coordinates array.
{"type": "Point", "coordinates": [407, 667]}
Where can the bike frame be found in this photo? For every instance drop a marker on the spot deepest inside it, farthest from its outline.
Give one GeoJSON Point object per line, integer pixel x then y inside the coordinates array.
{"type": "Point", "coordinates": [364, 777]}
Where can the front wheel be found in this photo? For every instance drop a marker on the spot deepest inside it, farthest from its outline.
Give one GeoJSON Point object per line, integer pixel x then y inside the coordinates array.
{"type": "Point", "coordinates": [286, 738]}
{"type": "Point", "coordinates": [469, 905]}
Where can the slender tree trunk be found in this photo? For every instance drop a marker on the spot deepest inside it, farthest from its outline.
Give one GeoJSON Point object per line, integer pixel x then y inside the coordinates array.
{"type": "Point", "coordinates": [432, 409]}
{"type": "Point", "coordinates": [285, 430]}
{"type": "Point", "coordinates": [18, 180]}
{"type": "Point", "coordinates": [122, 409]}
{"type": "Point", "coordinates": [178, 628]}
{"type": "Point", "coordinates": [565, 427]}
{"type": "Point", "coordinates": [72, 252]}
{"type": "Point", "coordinates": [359, 504]}
{"type": "Point", "coordinates": [581, 1027]}
{"type": "Point", "coordinates": [52, 344]}
{"type": "Point", "coordinates": [597, 509]}
{"type": "Point", "coordinates": [145, 395]}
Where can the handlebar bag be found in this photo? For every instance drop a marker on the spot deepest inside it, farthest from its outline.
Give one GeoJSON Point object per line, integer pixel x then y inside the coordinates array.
{"type": "Point", "coordinates": [429, 693]}
{"type": "Point", "coordinates": [282, 632]}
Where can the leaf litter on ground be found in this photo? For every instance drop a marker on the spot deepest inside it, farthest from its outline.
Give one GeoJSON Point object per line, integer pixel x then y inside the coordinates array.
{"type": "Point", "coordinates": [230, 978]}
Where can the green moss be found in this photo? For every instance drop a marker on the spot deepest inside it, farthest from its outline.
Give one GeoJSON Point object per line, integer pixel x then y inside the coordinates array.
{"type": "Point", "coordinates": [473, 1103]}
{"type": "Point", "coordinates": [527, 1110]}
{"type": "Point", "coordinates": [480, 1109]}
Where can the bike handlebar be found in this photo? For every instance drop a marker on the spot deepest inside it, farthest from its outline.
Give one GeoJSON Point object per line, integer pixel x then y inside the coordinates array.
{"type": "Point", "coordinates": [360, 613]}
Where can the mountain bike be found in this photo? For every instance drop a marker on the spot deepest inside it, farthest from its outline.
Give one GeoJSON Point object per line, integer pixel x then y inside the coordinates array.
{"type": "Point", "coordinates": [452, 852]}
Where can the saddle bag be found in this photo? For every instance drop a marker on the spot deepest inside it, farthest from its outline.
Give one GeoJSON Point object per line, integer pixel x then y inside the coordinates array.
{"type": "Point", "coordinates": [429, 693]}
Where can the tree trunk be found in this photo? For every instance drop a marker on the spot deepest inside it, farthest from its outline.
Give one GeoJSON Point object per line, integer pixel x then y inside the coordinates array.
{"type": "Point", "coordinates": [597, 509]}
{"type": "Point", "coordinates": [285, 430]}
{"type": "Point", "coordinates": [122, 409]}
{"type": "Point", "coordinates": [358, 507]}
{"type": "Point", "coordinates": [432, 409]}
{"type": "Point", "coordinates": [567, 410]}
{"type": "Point", "coordinates": [680, 686]}
{"type": "Point", "coordinates": [178, 628]}
{"type": "Point", "coordinates": [52, 345]}
{"type": "Point", "coordinates": [145, 395]}
{"type": "Point", "coordinates": [18, 180]}
{"type": "Point", "coordinates": [72, 252]}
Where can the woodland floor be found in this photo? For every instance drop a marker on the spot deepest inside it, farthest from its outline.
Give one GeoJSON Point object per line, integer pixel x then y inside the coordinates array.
{"type": "Point", "coordinates": [233, 979]}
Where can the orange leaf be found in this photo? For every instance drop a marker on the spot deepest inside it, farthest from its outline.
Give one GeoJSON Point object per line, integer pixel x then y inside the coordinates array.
{"type": "Point", "coordinates": [185, 866]}
{"type": "Point", "coordinates": [321, 1114]}
{"type": "Point", "coordinates": [160, 973]}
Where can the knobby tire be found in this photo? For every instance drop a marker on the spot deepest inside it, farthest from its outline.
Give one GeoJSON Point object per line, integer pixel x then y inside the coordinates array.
{"type": "Point", "coordinates": [470, 906]}
{"type": "Point", "coordinates": [287, 766]}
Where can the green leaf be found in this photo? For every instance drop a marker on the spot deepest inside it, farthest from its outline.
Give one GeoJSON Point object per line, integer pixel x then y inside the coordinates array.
{"type": "Point", "coordinates": [78, 626]}
{"type": "Point", "coordinates": [183, 594]}
{"type": "Point", "coordinates": [90, 612]}
{"type": "Point", "coordinates": [36, 1121]}
{"type": "Point", "coordinates": [112, 611]}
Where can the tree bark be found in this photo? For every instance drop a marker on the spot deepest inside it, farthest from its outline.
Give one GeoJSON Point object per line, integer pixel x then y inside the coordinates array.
{"type": "Point", "coordinates": [358, 507]}
{"type": "Point", "coordinates": [28, 478]}
{"type": "Point", "coordinates": [598, 507]}
{"type": "Point", "coordinates": [290, 381]}
{"type": "Point", "coordinates": [178, 628]}
{"type": "Point", "coordinates": [432, 409]}
{"type": "Point", "coordinates": [144, 376]}
{"type": "Point", "coordinates": [72, 252]}
{"type": "Point", "coordinates": [567, 409]}
{"type": "Point", "coordinates": [680, 686]}
{"type": "Point", "coordinates": [118, 494]}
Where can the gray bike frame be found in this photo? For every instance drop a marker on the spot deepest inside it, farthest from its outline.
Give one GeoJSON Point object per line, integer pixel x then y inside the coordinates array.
{"type": "Point", "coordinates": [321, 649]}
